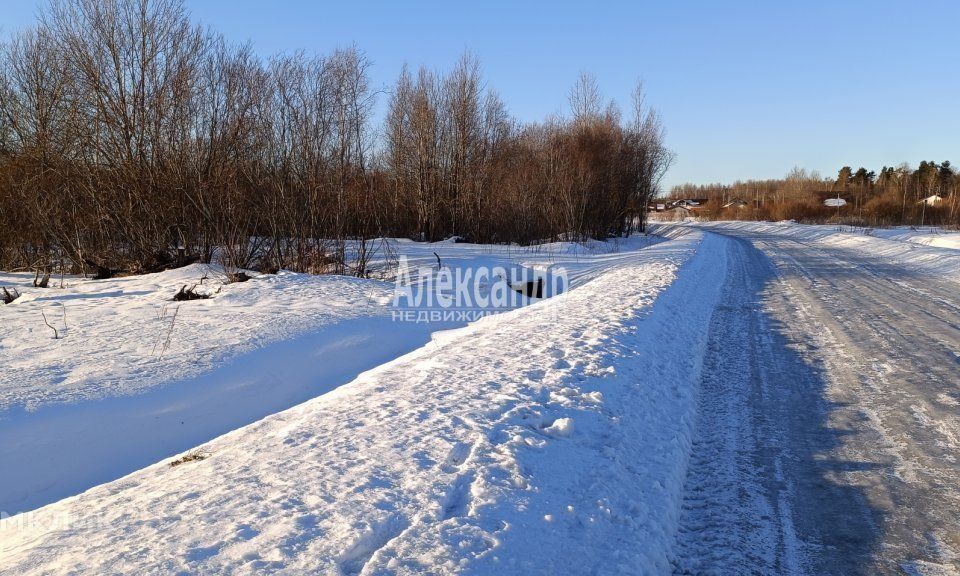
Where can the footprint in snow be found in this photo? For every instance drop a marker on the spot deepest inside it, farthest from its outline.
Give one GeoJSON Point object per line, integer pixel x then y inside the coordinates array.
{"type": "Point", "coordinates": [458, 454]}
{"type": "Point", "coordinates": [535, 375]}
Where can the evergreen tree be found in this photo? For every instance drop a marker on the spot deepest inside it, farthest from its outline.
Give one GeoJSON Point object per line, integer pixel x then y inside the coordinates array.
{"type": "Point", "coordinates": [843, 179]}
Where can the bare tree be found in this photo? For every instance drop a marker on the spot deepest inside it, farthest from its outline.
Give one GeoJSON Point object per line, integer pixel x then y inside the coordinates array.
{"type": "Point", "coordinates": [132, 140]}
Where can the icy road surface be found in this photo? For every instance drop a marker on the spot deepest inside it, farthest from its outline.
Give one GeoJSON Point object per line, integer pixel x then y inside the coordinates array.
{"type": "Point", "coordinates": [828, 431]}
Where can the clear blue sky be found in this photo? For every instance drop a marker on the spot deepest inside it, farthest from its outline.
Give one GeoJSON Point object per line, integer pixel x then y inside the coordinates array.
{"type": "Point", "coordinates": [746, 89]}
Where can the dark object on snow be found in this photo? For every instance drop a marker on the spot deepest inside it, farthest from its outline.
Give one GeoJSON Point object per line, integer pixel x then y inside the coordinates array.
{"type": "Point", "coordinates": [267, 265]}
{"type": "Point", "coordinates": [190, 294]}
{"type": "Point", "coordinates": [43, 282]}
{"type": "Point", "coordinates": [180, 262]}
{"type": "Point", "coordinates": [238, 277]}
{"type": "Point", "coordinates": [102, 271]}
{"type": "Point", "coordinates": [439, 265]}
{"type": "Point", "coordinates": [9, 296]}
{"type": "Point", "coordinates": [163, 261]}
{"type": "Point", "coordinates": [191, 457]}
{"type": "Point", "coordinates": [532, 289]}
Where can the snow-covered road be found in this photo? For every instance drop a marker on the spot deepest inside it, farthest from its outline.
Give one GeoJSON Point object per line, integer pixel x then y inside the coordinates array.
{"type": "Point", "coordinates": [829, 416]}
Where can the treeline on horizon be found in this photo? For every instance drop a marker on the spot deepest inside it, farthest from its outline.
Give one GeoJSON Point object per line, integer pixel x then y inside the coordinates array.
{"type": "Point", "coordinates": [133, 140]}
{"type": "Point", "coordinates": [926, 195]}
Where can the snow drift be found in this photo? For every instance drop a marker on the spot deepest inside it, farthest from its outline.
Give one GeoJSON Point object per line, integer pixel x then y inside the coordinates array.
{"type": "Point", "coordinates": [551, 439]}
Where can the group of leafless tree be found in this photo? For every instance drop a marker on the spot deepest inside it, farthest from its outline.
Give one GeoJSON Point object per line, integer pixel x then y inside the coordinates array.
{"type": "Point", "coordinates": [132, 140]}
{"type": "Point", "coordinates": [926, 195]}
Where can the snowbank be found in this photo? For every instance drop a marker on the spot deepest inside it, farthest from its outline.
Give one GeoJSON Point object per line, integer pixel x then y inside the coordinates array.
{"type": "Point", "coordinates": [551, 439]}
{"type": "Point", "coordinates": [135, 378]}
{"type": "Point", "coordinates": [935, 237]}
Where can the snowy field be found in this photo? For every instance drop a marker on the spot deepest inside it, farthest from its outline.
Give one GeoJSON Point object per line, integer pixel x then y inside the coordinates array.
{"type": "Point", "coordinates": [562, 425]}
{"type": "Point", "coordinates": [133, 377]}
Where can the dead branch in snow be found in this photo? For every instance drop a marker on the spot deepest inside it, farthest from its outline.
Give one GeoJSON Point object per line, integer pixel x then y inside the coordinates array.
{"type": "Point", "coordinates": [9, 296]}
{"type": "Point", "coordinates": [56, 334]}
{"type": "Point", "coordinates": [166, 342]}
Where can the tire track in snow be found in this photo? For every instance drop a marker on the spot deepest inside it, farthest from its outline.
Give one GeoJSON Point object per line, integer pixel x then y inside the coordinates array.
{"type": "Point", "coordinates": [756, 501]}
{"type": "Point", "coordinates": [885, 332]}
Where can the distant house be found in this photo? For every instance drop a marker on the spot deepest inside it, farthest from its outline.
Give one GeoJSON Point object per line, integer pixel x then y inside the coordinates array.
{"type": "Point", "coordinates": [656, 207]}
{"type": "Point", "coordinates": [931, 200]}
{"type": "Point", "coordinates": [736, 203]}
